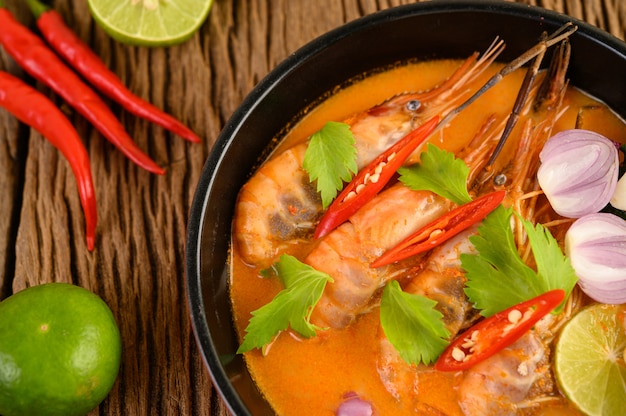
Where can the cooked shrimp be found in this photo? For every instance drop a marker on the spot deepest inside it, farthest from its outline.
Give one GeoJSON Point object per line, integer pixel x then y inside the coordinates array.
{"type": "Point", "coordinates": [279, 207]}
{"type": "Point", "coordinates": [347, 252]}
{"type": "Point", "coordinates": [501, 385]}
{"type": "Point", "coordinates": [443, 281]}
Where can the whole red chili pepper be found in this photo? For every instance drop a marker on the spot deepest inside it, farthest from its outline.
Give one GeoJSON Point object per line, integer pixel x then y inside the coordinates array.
{"type": "Point", "coordinates": [67, 44]}
{"type": "Point", "coordinates": [35, 109]}
{"type": "Point", "coordinates": [32, 54]}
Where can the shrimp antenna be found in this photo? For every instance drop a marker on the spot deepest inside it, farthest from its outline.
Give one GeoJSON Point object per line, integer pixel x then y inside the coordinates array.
{"type": "Point", "coordinates": [540, 48]}
{"type": "Point", "coordinates": [520, 101]}
{"type": "Point", "coordinates": [558, 65]}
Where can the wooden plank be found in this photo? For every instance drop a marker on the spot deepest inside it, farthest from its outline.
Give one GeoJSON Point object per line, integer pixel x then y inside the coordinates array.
{"type": "Point", "coordinates": [138, 263]}
{"type": "Point", "coordinates": [13, 148]}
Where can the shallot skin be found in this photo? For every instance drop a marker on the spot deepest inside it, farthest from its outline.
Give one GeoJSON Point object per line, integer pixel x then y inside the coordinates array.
{"type": "Point", "coordinates": [596, 246]}
{"type": "Point", "coordinates": [578, 172]}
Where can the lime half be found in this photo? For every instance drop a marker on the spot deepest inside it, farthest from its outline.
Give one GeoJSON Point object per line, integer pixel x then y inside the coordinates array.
{"type": "Point", "coordinates": [150, 22]}
{"type": "Point", "coordinates": [589, 360]}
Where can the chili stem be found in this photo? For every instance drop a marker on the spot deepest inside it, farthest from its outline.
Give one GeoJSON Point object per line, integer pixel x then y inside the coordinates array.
{"type": "Point", "coordinates": [36, 7]}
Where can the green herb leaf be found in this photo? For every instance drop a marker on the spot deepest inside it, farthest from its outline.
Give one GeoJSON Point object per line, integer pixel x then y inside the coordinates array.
{"type": "Point", "coordinates": [412, 325]}
{"type": "Point", "coordinates": [553, 267]}
{"type": "Point", "coordinates": [330, 159]}
{"type": "Point", "coordinates": [291, 307]}
{"type": "Point", "coordinates": [439, 172]}
{"type": "Point", "coordinates": [497, 278]}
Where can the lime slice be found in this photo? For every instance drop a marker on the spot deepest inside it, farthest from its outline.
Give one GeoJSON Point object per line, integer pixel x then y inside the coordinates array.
{"type": "Point", "coordinates": [150, 22]}
{"type": "Point", "coordinates": [589, 360]}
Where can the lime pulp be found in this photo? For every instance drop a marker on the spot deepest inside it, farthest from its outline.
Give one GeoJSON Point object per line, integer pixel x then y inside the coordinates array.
{"type": "Point", "coordinates": [589, 360]}
{"type": "Point", "coordinates": [150, 22]}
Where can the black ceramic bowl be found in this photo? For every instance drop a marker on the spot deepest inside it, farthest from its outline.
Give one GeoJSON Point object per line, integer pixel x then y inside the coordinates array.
{"type": "Point", "coordinates": [438, 29]}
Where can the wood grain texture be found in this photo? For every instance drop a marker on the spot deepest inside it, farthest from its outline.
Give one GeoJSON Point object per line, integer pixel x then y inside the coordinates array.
{"type": "Point", "coordinates": [138, 264]}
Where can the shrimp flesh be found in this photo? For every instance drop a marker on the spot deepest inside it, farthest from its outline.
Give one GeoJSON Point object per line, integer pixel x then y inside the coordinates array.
{"type": "Point", "coordinates": [497, 385]}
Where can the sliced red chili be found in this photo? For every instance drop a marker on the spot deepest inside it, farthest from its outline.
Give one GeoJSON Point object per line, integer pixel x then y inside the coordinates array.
{"type": "Point", "coordinates": [442, 229]}
{"type": "Point", "coordinates": [497, 332]}
{"type": "Point", "coordinates": [371, 179]}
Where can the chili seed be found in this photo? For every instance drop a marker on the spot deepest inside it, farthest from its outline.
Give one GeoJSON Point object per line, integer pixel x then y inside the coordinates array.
{"type": "Point", "coordinates": [458, 354]}
{"type": "Point", "coordinates": [468, 344]}
{"type": "Point", "coordinates": [514, 316]}
{"type": "Point", "coordinates": [435, 233]}
{"type": "Point", "coordinates": [527, 314]}
{"type": "Point", "coordinates": [350, 196]}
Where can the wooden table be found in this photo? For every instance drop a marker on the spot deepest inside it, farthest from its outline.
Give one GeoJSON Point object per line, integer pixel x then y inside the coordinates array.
{"type": "Point", "coordinates": [137, 266]}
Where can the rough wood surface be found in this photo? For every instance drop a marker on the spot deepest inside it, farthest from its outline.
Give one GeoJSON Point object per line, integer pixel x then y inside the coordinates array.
{"type": "Point", "coordinates": [138, 263]}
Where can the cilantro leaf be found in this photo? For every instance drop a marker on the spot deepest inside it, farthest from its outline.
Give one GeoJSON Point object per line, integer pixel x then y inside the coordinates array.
{"type": "Point", "coordinates": [439, 172]}
{"type": "Point", "coordinates": [553, 267]}
{"type": "Point", "coordinates": [291, 307]}
{"type": "Point", "coordinates": [330, 159]}
{"type": "Point", "coordinates": [412, 325]}
{"type": "Point", "coordinates": [497, 278]}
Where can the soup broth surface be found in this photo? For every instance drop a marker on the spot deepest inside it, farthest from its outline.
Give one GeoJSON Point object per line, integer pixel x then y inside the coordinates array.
{"type": "Point", "coordinates": [311, 376]}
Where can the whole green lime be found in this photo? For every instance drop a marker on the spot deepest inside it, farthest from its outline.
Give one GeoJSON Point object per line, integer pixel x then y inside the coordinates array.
{"type": "Point", "coordinates": [60, 351]}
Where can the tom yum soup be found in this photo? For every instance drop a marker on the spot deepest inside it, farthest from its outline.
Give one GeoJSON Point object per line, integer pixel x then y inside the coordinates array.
{"type": "Point", "coordinates": [405, 253]}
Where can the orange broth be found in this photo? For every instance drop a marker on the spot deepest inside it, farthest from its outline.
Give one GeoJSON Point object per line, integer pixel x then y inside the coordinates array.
{"type": "Point", "coordinates": [310, 376]}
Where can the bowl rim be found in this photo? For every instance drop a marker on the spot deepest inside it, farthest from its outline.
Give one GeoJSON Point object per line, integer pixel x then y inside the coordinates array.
{"type": "Point", "coordinates": [195, 302]}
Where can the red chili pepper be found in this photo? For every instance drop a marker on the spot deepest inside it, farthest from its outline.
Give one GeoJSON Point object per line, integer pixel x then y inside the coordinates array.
{"type": "Point", "coordinates": [67, 44]}
{"type": "Point", "coordinates": [35, 109]}
{"type": "Point", "coordinates": [497, 332]}
{"type": "Point", "coordinates": [371, 179]}
{"type": "Point", "coordinates": [32, 54]}
{"type": "Point", "coordinates": [442, 229]}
